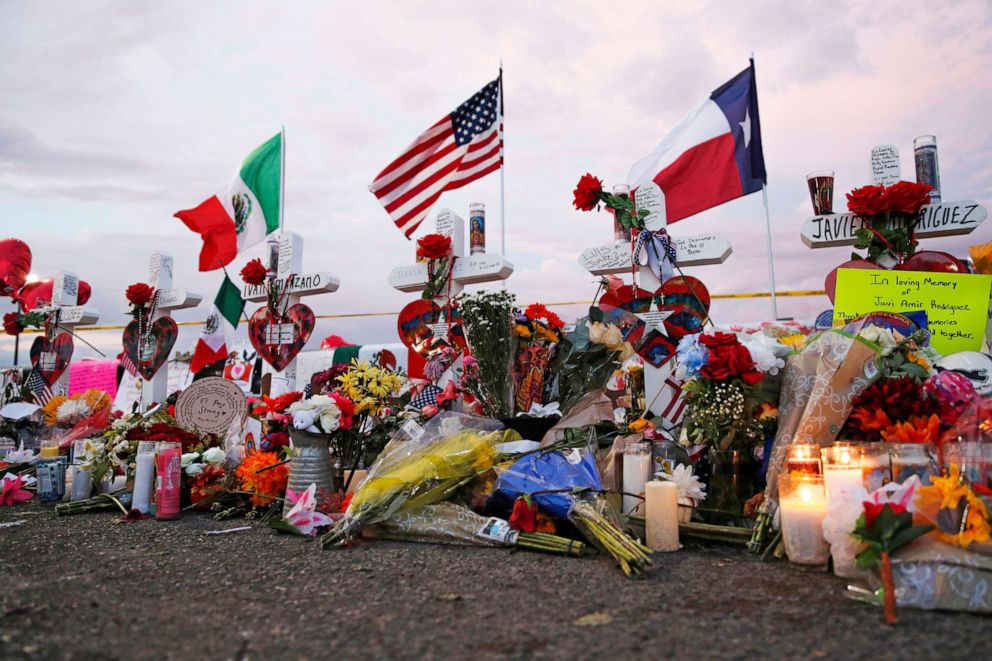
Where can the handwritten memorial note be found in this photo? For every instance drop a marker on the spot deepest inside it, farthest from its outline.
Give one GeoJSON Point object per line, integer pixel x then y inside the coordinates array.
{"type": "Point", "coordinates": [211, 406]}
{"type": "Point", "coordinates": [885, 165]}
{"type": "Point", "coordinates": [956, 303]}
{"type": "Point", "coordinates": [98, 374]}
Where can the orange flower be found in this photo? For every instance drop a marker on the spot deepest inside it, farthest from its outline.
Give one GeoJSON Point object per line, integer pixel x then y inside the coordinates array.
{"type": "Point", "coordinates": [267, 485]}
{"type": "Point", "coordinates": [917, 429]}
{"type": "Point", "coordinates": [640, 425]}
{"type": "Point", "coordinates": [872, 419]}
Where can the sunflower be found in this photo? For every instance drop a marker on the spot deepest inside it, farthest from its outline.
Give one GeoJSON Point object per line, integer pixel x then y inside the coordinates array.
{"type": "Point", "coordinates": [945, 494]}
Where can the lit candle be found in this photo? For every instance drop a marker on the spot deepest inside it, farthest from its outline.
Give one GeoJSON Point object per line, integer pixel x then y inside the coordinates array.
{"type": "Point", "coordinates": [841, 469]}
{"type": "Point", "coordinates": [803, 458]}
{"type": "Point", "coordinates": [661, 519]}
{"type": "Point", "coordinates": [636, 472]}
{"type": "Point", "coordinates": [144, 477]}
{"type": "Point", "coordinates": [803, 504]}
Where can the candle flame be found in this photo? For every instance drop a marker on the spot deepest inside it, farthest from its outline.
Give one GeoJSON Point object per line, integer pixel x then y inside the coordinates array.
{"type": "Point", "coordinates": [805, 493]}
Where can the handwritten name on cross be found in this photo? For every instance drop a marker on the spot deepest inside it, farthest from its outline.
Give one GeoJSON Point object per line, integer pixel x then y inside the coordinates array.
{"type": "Point", "coordinates": [65, 295]}
{"type": "Point", "coordinates": [689, 251]}
{"type": "Point", "coordinates": [289, 267]}
{"type": "Point", "coordinates": [160, 272]}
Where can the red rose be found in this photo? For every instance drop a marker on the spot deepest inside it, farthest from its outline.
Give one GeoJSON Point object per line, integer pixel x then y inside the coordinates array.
{"type": "Point", "coordinates": [753, 377]}
{"type": "Point", "coordinates": [873, 510]}
{"type": "Point", "coordinates": [12, 324]}
{"type": "Point", "coordinates": [254, 272]}
{"type": "Point", "coordinates": [718, 339]}
{"type": "Point", "coordinates": [524, 515]}
{"type": "Point", "coordinates": [866, 201]}
{"type": "Point", "coordinates": [139, 294]}
{"type": "Point", "coordinates": [587, 192]}
{"type": "Point", "coordinates": [739, 360]}
{"type": "Point", "coordinates": [434, 246]}
{"type": "Point", "coordinates": [906, 197]}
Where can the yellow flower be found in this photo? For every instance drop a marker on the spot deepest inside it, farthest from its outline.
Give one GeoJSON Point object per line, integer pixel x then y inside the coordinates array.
{"type": "Point", "coordinates": [945, 494]}
{"type": "Point", "coordinates": [523, 331]}
{"type": "Point", "coordinates": [640, 425]}
{"type": "Point", "coordinates": [914, 357]}
{"type": "Point", "coordinates": [796, 342]}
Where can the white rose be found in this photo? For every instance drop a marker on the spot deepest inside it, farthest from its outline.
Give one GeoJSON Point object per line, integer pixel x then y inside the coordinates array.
{"type": "Point", "coordinates": [330, 418]}
{"type": "Point", "coordinates": [302, 405]}
{"type": "Point", "coordinates": [320, 401]}
{"type": "Point", "coordinates": [194, 469]}
{"type": "Point", "coordinates": [214, 456]}
{"type": "Point", "coordinates": [189, 458]}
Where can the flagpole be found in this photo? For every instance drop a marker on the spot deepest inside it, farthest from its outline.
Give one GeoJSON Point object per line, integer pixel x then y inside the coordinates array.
{"type": "Point", "coordinates": [502, 160]}
{"type": "Point", "coordinates": [282, 177]}
{"type": "Point", "coordinates": [771, 257]}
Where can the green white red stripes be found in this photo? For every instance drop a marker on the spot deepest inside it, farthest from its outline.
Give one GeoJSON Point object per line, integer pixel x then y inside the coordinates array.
{"type": "Point", "coordinates": [220, 325]}
{"type": "Point", "coordinates": [244, 212]}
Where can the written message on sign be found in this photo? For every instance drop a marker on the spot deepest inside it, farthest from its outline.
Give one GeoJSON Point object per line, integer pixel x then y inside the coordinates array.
{"type": "Point", "coordinates": [956, 303]}
{"type": "Point", "coordinates": [946, 219]}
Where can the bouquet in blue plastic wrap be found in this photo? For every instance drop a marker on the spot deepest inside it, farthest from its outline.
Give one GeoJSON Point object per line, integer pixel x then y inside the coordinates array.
{"type": "Point", "coordinates": [567, 485]}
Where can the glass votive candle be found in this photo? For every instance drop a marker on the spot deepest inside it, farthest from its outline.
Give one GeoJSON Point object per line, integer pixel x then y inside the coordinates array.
{"type": "Point", "coordinates": [802, 506]}
{"type": "Point", "coordinates": [803, 458]}
{"type": "Point", "coordinates": [637, 465]}
{"type": "Point", "coordinates": [841, 468]}
{"type": "Point", "coordinates": [969, 458]}
{"type": "Point", "coordinates": [876, 465]}
{"type": "Point", "coordinates": [910, 459]}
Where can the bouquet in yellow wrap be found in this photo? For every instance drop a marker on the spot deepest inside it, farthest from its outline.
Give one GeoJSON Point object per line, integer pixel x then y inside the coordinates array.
{"type": "Point", "coordinates": [453, 449]}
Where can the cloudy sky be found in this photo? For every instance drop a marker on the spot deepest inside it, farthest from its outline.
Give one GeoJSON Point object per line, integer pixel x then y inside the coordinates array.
{"type": "Point", "coordinates": [117, 114]}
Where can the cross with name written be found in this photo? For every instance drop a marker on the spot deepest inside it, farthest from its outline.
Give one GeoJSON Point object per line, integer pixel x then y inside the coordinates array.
{"type": "Point", "coordinates": [288, 267]}
{"type": "Point", "coordinates": [617, 258]}
{"type": "Point", "coordinates": [64, 310]}
{"type": "Point", "coordinates": [167, 299]}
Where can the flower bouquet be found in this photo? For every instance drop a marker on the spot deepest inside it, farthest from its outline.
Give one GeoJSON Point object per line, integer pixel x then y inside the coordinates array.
{"type": "Point", "coordinates": [538, 332]}
{"type": "Point", "coordinates": [452, 449]}
{"type": "Point", "coordinates": [436, 250]}
{"type": "Point", "coordinates": [891, 214]}
{"type": "Point", "coordinates": [490, 333]}
{"type": "Point", "coordinates": [568, 487]}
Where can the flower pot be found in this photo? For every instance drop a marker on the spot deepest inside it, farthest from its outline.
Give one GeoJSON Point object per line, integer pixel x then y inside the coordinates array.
{"type": "Point", "coordinates": [310, 464]}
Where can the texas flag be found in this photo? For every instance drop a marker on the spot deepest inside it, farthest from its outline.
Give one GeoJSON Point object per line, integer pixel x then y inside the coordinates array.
{"type": "Point", "coordinates": [712, 156]}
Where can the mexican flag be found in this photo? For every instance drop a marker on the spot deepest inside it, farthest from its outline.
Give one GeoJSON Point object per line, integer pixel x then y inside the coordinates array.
{"type": "Point", "coordinates": [242, 214]}
{"type": "Point", "coordinates": [221, 324]}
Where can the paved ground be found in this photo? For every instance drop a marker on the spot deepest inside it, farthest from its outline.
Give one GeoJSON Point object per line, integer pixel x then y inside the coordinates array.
{"type": "Point", "coordinates": [88, 587]}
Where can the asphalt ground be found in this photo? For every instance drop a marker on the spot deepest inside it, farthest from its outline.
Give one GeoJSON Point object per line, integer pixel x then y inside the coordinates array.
{"type": "Point", "coordinates": [92, 587]}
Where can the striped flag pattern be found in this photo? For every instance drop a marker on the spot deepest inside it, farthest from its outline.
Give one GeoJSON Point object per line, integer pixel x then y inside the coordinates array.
{"type": "Point", "coordinates": [465, 145]}
{"type": "Point", "coordinates": [42, 393]}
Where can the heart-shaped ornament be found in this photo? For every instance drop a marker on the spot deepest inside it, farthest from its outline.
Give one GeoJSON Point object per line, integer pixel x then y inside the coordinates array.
{"type": "Point", "coordinates": [933, 261]}
{"type": "Point", "coordinates": [151, 353]}
{"type": "Point", "coordinates": [421, 322]}
{"type": "Point", "coordinates": [51, 358]}
{"type": "Point", "coordinates": [688, 300]}
{"type": "Point", "coordinates": [278, 339]}
{"type": "Point", "coordinates": [830, 283]}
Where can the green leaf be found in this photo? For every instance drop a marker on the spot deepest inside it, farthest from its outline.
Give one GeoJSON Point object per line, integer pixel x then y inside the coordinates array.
{"type": "Point", "coordinates": [906, 535]}
{"type": "Point", "coordinates": [869, 559]}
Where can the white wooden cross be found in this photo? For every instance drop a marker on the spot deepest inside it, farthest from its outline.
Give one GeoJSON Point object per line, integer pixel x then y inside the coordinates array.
{"type": "Point", "coordinates": [65, 294]}
{"type": "Point", "coordinates": [478, 268]}
{"type": "Point", "coordinates": [290, 263]}
{"type": "Point", "coordinates": [944, 219]}
{"type": "Point", "coordinates": [160, 271]}
{"type": "Point", "coordinates": [689, 251]}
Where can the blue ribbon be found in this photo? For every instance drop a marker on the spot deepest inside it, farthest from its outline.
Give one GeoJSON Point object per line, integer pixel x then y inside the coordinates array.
{"type": "Point", "coordinates": [660, 250]}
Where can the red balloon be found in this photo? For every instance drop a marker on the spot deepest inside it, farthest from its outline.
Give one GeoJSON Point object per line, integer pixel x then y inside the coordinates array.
{"type": "Point", "coordinates": [933, 261]}
{"type": "Point", "coordinates": [15, 264]}
{"type": "Point", "coordinates": [38, 294]}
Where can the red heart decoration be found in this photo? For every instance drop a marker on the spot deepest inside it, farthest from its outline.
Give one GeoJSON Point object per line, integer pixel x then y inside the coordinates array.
{"type": "Point", "coordinates": [656, 349]}
{"type": "Point", "coordinates": [15, 264]}
{"type": "Point", "coordinates": [39, 294]}
{"type": "Point", "coordinates": [689, 301]}
{"type": "Point", "coordinates": [285, 342]}
{"type": "Point", "coordinates": [162, 336]}
{"type": "Point", "coordinates": [933, 261]}
{"type": "Point", "coordinates": [415, 319]}
{"type": "Point", "coordinates": [629, 298]}
{"type": "Point", "coordinates": [56, 353]}
{"type": "Point", "coordinates": [830, 283]}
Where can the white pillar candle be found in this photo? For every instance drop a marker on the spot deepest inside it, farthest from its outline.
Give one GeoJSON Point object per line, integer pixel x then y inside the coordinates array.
{"type": "Point", "coordinates": [662, 516]}
{"type": "Point", "coordinates": [842, 469]}
{"type": "Point", "coordinates": [637, 465]}
{"type": "Point", "coordinates": [82, 484]}
{"type": "Point", "coordinates": [144, 478]}
{"type": "Point", "coordinates": [803, 504]}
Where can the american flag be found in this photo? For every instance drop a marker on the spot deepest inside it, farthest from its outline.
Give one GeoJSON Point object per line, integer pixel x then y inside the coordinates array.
{"type": "Point", "coordinates": [42, 393]}
{"type": "Point", "coordinates": [465, 145]}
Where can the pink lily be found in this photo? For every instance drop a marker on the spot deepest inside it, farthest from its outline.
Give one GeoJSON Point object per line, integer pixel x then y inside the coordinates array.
{"type": "Point", "coordinates": [303, 515]}
{"type": "Point", "coordinates": [11, 492]}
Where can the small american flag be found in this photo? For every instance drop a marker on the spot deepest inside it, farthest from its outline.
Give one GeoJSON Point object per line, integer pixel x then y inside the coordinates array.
{"type": "Point", "coordinates": [42, 393]}
{"type": "Point", "coordinates": [465, 145]}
